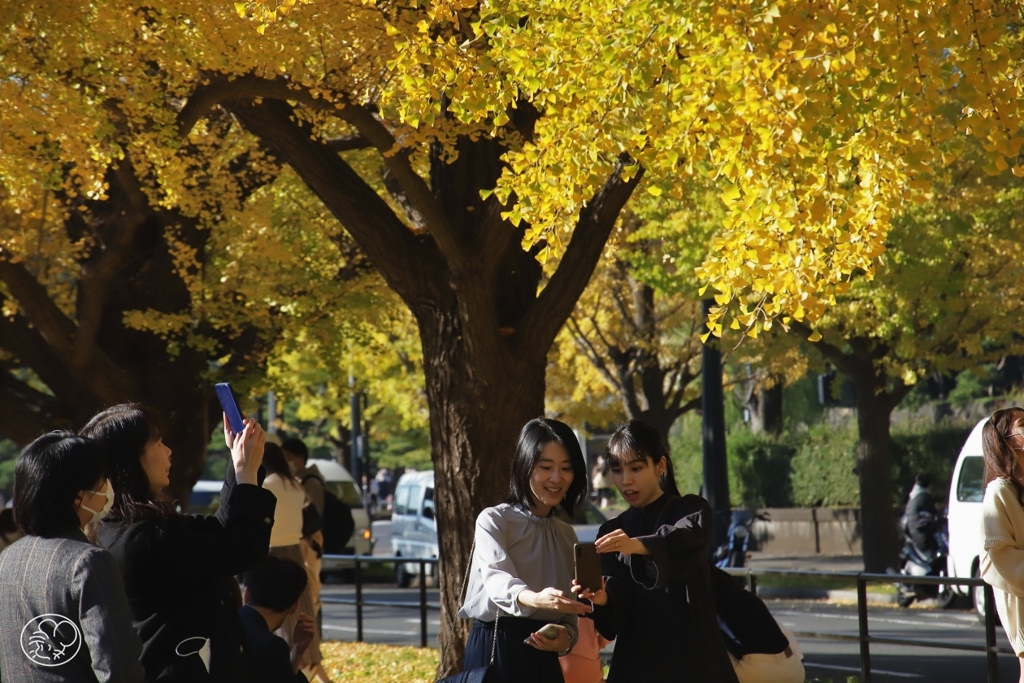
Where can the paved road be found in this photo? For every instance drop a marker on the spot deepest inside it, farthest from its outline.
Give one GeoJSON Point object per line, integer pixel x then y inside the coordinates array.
{"type": "Point", "coordinates": [826, 659]}
{"type": "Point", "coordinates": [823, 659]}
{"type": "Point", "coordinates": [381, 530]}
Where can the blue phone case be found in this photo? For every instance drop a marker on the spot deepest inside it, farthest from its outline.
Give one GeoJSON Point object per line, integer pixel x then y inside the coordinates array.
{"type": "Point", "coordinates": [227, 402]}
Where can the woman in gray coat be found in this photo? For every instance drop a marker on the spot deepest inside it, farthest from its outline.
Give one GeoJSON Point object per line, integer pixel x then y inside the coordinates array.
{"type": "Point", "coordinates": [63, 611]}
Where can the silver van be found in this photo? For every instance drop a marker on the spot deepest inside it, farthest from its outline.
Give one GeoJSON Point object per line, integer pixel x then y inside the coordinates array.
{"type": "Point", "coordinates": [413, 524]}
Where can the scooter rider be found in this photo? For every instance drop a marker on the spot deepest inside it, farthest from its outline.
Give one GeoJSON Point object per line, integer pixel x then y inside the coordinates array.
{"type": "Point", "coordinates": [919, 516]}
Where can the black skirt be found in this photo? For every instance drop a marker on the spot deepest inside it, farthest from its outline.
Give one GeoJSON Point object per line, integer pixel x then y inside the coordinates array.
{"type": "Point", "coordinates": [516, 662]}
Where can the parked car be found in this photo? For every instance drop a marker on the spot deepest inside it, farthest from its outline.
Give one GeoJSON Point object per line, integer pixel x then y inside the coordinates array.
{"type": "Point", "coordinates": [413, 524]}
{"type": "Point", "coordinates": [205, 497]}
{"type": "Point", "coordinates": [966, 492]}
{"type": "Point", "coordinates": [338, 481]}
{"type": "Point", "coordinates": [414, 527]}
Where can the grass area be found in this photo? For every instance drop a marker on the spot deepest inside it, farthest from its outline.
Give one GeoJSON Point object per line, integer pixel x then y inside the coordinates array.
{"type": "Point", "coordinates": [821, 582]}
{"type": "Point", "coordinates": [366, 663]}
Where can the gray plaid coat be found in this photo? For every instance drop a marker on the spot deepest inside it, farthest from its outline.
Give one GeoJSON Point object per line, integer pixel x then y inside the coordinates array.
{"type": "Point", "coordinates": [63, 614]}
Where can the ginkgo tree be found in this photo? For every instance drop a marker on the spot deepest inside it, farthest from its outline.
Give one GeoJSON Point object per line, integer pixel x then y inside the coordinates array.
{"type": "Point", "coordinates": [949, 296]}
{"type": "Point", "coordinates": [512, 134]}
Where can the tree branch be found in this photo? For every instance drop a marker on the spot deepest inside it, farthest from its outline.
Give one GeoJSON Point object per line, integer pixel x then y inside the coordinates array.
{"type": "Point", "coordinates": [398, 254]}
{"type": "Point", "coordinates": [559, 297]}
{"type": "Point", "coordinates": [246, 88]}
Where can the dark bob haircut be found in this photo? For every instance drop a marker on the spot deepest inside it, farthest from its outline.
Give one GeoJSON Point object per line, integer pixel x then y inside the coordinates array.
{"type": "Point", "coordinates": [277, 584]}
{"type": "Point", "coordinates": [123, 432]}
{"type": "Point", "coordinates": [48, 477]}
{"type": "Point", "coordinates": [535, 435]}
{"type": "Point", "coordinates": [295, 447]}
{"type": "Point", "coordinates": [637, 441]}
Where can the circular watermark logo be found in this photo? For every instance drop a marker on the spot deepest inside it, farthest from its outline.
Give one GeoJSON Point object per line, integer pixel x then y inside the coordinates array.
{"type": "Point", "coordinates": [51, 640]}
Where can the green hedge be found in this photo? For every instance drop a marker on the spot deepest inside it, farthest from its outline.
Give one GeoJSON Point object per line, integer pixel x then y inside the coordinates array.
{"type": "Point", "coordinates": [816, 467]}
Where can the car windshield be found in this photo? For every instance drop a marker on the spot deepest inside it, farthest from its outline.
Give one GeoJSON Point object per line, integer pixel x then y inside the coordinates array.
{"type": "Point", "coordinates": [347, 493]}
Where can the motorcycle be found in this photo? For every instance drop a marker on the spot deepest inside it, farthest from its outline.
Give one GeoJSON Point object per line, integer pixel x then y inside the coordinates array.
{"type": "Point", "coordinates": [733, 553]}
{"type": "Point", "coordinates": [915, 561]}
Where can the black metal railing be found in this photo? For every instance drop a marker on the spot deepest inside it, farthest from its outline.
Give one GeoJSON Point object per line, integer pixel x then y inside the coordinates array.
{"type": "Point", "coordinates": [862, 579]}
{"type": "Point", "coordinates": [866, 639]}
{"type": "Point", "coordinates": [358, 561]}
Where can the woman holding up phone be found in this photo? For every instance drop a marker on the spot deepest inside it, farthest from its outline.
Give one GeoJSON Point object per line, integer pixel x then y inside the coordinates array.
{"type": "Point", "coordinates": [178, 569]}
{"type": "Point", "coordinates": [656, 603]}
{"type": "Point", "coordinates": [522, 567]}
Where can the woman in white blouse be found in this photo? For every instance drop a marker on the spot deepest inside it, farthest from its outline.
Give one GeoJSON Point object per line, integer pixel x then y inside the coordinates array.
{"type": "Point", "coordinates": [522, 568]}
{"type": "Point", "coordinates": [1002, 560]}
{"type": "Point", "coordinates": [285, 537]}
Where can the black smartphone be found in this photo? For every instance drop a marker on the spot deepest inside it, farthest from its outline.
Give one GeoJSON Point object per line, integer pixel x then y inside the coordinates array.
{"type": "Point", "coordinates": [588, 566]}
{"type": "Point", "coordinates": [230, 407]}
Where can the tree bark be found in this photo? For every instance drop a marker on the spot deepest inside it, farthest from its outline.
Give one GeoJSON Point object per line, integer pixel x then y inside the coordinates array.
{"type": "Point", "coordinates": [765, 407]}
{"type": "Point", "coordinates": [877, 396]}
{"type": "Point", "coordinates": [880, 539]}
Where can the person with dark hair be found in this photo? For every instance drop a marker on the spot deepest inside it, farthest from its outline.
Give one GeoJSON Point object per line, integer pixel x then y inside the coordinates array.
{"type": "Point", "coordinates": [286, 543]}
{"type": "Point", "coordinates": [1002, 512]}
{"type": "Point", "coordinates": [656, 602]}
{"type": "Point", "coordinates": [272, 594]}
{"type": "Point", "coordinates": [522, 567]}
{"type": "Point", "coordinates": [179, 569]}
{"type": "Point", "coordinates": [919, 518]}
{"type": "Point", "coordinates": [63, 611]}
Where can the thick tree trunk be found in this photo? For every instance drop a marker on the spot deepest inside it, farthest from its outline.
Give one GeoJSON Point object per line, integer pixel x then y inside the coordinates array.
{"type": "Point", "coordinates": [874, 466]}
{"type": "Point", "coordinates": [477, 409]}
{"type": "Point", "coordinates": [765, 407]}
{"type": "Point", "coordinates": [484, 326]}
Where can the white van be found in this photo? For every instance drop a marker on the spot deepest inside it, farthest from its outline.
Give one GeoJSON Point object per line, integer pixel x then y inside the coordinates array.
{"type": "Point", "coordinates": [966, 492]}
{"type": "Point", "coordinates": [338, 481]}
{"type": "Point", "coordinates": [413, 524]}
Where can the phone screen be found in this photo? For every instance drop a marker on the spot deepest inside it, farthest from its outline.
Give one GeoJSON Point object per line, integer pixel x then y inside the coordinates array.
{"type": "Point", "coordinates": [230, 407]}
{"type": "Point", "coordinates": [588, 566]}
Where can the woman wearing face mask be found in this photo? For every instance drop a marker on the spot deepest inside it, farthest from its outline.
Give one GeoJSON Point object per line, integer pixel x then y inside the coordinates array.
{"type": "Point", "coordinates": [179, 569]}
{"type": "Point", "coordinates": [522, 568]}
{"type": "Point", "coordinates": [657, 602]}
{"type": "Point", "coordinates": [63, 612]}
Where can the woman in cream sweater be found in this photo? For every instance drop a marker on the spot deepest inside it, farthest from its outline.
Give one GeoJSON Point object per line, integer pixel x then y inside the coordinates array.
{"type": "Point", "coordinates": [1002, 560]}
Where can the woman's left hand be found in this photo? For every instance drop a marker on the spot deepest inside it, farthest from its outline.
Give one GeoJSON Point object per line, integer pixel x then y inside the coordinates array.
{"type": "Point", "coordinates": [618, 542]}
{"type": "Point", "coordinates": [559, 644]}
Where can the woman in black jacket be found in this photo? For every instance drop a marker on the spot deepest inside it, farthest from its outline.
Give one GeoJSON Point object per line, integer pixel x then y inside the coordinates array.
{"type": "Point", "coordinates": [657, 601]}
{"type": "Point", "coordinates": [178, 569]}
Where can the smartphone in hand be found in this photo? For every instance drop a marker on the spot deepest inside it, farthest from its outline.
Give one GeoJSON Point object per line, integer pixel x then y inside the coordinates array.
{"type": "Point", "coordinates": [588, 566]}
{"type": "Point", "coordinates": [230, 407]}
{"type": "Point", "coordinates": [547, 630]}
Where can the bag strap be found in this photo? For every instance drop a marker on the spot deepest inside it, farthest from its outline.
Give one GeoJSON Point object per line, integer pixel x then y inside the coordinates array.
{"type": "Point", "coordinates": [451, 625]}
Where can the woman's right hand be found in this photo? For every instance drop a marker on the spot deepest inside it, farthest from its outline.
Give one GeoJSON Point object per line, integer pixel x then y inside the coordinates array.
{"type": "Point", "coordinates": [246, 449]}
{"type": "Point", "coordinates": [552, 599]}
{"type": "Point", "coordinates": [599, 597]}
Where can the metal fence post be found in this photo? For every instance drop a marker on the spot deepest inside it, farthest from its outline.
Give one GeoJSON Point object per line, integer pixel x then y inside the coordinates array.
{"type": "Point", "coordinates": [358, 576]}
{"type": "Point", "coordinates": [423, 603]}
{"type": "Point", "coordinates": [862, 618]}
{"type": "Point", "coordinates": [992, 665]}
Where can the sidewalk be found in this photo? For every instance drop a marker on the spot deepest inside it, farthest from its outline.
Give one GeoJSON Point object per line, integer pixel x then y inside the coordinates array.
{"type": "Point", "coordinates": [813, 588]}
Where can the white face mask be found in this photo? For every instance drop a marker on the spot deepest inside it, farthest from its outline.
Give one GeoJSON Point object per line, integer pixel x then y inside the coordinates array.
{"type": "Point", "coordinates": [293, 467]}
{"type": "Point", "coordinates": [108, 495]}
